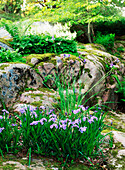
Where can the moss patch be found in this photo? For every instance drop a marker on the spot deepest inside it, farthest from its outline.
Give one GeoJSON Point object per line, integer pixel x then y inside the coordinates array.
{"type": "Point", "coordinates": [5, 42]}
{"type": "Point", "coordinates": [40, 57]}
{"type": "Point", "coordinates": [3, 66]}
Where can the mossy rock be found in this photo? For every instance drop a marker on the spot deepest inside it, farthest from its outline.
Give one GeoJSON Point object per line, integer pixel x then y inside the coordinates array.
{"type": "Point", "coordinates": [3, 66]}
{"type": "Point", "coordinates": [6, 42]}
{"type": "Point", "coordinates": [41, 57]}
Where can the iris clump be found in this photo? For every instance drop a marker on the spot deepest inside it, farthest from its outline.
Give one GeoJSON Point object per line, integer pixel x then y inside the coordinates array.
{"type": "Point", "coordinates": [77, 134]}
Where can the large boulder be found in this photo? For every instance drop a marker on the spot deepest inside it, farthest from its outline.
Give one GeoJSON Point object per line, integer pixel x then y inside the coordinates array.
{"type": "Point", "coordinates": [14, 78]}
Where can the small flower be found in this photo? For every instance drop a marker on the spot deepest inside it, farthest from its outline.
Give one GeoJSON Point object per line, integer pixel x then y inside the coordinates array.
{"type": "Point", "coordinates": [42, 107]}
{"type": "Point", "coordinates": [76, 111]}
{"type": "Point", "coordinates": [79, 57]}
{"type": "Point", "coordinates": [22, 110]}
{"type": "Point", "coordinates": [95, 111]}
{"type": "Point", "coordinates": [5, 111]}
{"type": "Point", "coordinates": [99, 108]}
{"type": "Point", "coordinates": [63, 126]}
{"type": "Point", "coordinates": [1, 129]}
{"type": "Point", "coordinates": [51, 111]}
{"type": "Point", "coordinates": [65, 113]}
{"type": "Point", "coordinates": [111, 65]}
{"type": "Point", "coordinates": [20, 125]}
{"type": "Point", "coordinates": [86, 108]}
{"type": "Point", "coordinates": [34, 123]}
{"type": "Point", "coordinates": [34, 113]}
{"type": "Point", "coordinates": [82, 129]}
{"type": "Point", "coordinates": [117, 60]}
{"type": "Point", "coordinates": [9, 116]}
{"type": "Point", "coordinates": [52, 119]}
{"type": "Point", "coordinates": [111, 123]}
{"type": "Point", "coordinates": [53, 38]}
{"type": "Point", "coordinates": [94, 117]}
{"type": "Point", "coordinates": [14, 124]}
{"type": "Point", "coordinates": [99, 128]}
{"type": "Point", "coordinates": [53, 125]}
{"type": "Point", "coordinates": [84, 119]}
{"type": "Point", "coordinates": [1, 117]}
{"type": "Point", "coordinates": [75, 126]}
{"type": "Point", "coordinates": [53, 115]}
{"type": "Point", "coordinates": [90, 121]}
{"type": "Point", "coordinates": [43, 119]}
{"type": "Point", "coordinates": [84, 61]}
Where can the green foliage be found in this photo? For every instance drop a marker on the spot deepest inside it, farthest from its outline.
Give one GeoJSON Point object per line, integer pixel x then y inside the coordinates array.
{"type": "Point", "coordinates": [10, 56]}
{"type": "Point", "coordinates": [39, 44]}
{"type": "Point", "coordinates": [11, 6]}
{"type": "Point", "coordinates": [120, 87]}
{"type": "Point", "coordinates": [106, 40]}
{"type": "Point", "coordinates": [115, 25]}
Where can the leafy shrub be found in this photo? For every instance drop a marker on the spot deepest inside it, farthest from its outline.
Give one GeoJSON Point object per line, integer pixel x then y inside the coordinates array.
{"type": "Point", "coordinates": [10, 56]}
{"type": "Point", "coordinates": [43, 44]}
{"type": "Point", "coordinates": [106, 40]}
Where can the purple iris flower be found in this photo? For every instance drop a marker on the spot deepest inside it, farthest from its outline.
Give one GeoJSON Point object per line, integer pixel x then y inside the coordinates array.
{"type": "Point", "coordinates": [1, 117]}
{"type": "Point", "coordinates": [22, 110]}
{"type": "Point", "coordinates": [90, 121]}
{"type": "Point", "coordinates": [117, 60]}
{"type": "Point", "coordinates": [34, 123]}
{"type": "Point", "coordinates": [86, 108]}
{"type": "Point", "coordinates": [52, 119]}
{"type": "Point", "coordinates": [84, 119]}
{"type": "Point", "coordinates": [14, 124]}
{"type": "Point", "coordinates": [42, 107]}
{"type": "Point", "coordinates": [1, 129]}
{"type": "Point", "coordinates": [84, 61]}
{"type": "Point", "coordinates": [5, 111]}
{"type": "Point", "coordinates": [76, 111]}
{"type": "Point", "coordinates": [43, 119]}
{"type": "Point", "coordinates": [111, 65]}
{"type": "Point", "coordinates": [63, 126]}
{"type": "Point", "coordinates": [53, 115]}
{"type": "Point", "coordinates": [82, 129]}
{"type": "Point", "coordinates": [53, 125]}
{"type": "Point", "coordinates": [75, 126]}
{"type": "Point", "coordinates": [53, 38]}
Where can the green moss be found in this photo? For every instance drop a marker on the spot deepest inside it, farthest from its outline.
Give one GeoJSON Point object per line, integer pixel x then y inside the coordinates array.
{"type": "Point", "coordinates": [40, 57]}
{"type": "Point", "coordinates": [3, 66]}
{"type": "Point", "coordinates": [5, 42]}
{"type": "Point", "coordinates": [46, 90]}
{"type": "Point", "coordinates": [35, 95]}
{"type": "Point", "coordinates": [37, 104]}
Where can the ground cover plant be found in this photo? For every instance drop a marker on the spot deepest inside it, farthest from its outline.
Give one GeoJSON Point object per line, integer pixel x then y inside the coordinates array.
{"type": "Point", "coordinates": [10, 56]}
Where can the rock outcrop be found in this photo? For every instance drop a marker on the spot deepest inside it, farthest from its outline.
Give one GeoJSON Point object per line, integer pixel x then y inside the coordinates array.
{"type": "Point", "coordinates": [92, 71]}
{"type": "Point", "coordinates": [14, 78]}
